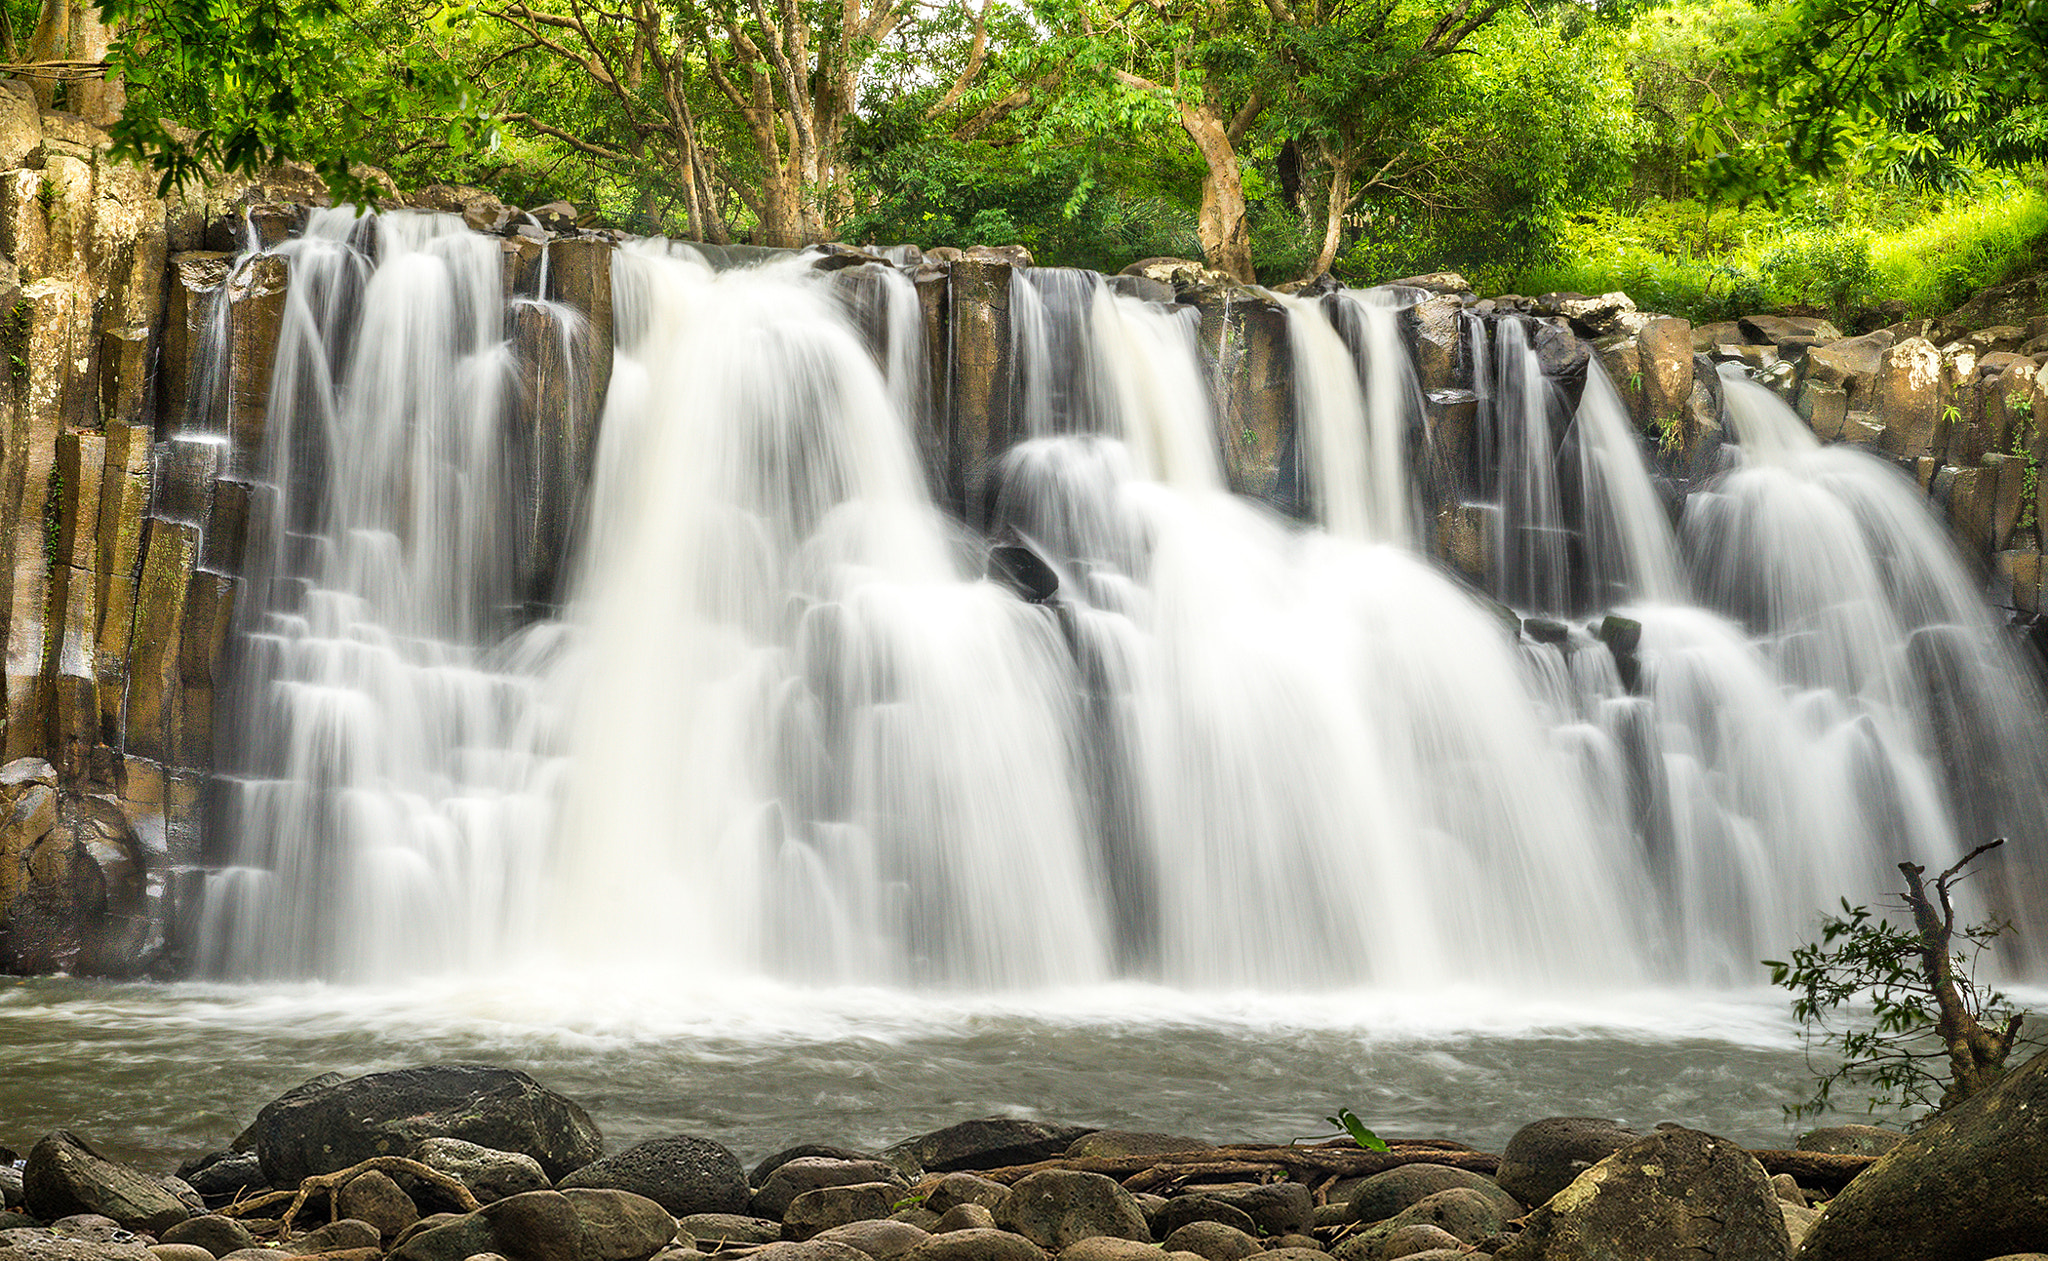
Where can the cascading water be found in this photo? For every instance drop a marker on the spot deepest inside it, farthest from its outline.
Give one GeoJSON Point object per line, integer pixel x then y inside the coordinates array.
{"type": "Point", "coordinates": [382, 819]}
{"type": "Point", "coordinates": [782, 727]}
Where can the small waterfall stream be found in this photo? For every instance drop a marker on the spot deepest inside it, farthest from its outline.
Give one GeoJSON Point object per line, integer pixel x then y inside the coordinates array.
{"type": "Point", "coordinates": [781, 724]}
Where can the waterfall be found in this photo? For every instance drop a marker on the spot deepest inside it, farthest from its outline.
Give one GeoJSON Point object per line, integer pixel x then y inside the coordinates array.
{"type": "Point", "coordinates": [382, 816]}
{"type": "Point", "coordinates": [771, 717]}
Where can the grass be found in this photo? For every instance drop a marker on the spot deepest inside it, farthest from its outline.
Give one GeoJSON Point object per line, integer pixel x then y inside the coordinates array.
{"type": "Point", "coordinates": [1843, 251]}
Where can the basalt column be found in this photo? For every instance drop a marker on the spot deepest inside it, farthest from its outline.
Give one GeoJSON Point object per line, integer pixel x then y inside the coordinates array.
{"type": "Point", "coordinates": [1244, 341]}
{"type": "Point", "coordinates": [979, 424]}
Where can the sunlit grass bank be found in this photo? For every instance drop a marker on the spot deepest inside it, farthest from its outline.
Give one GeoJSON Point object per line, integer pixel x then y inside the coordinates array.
{"type": "Point", "coordinates": [1845, 252]}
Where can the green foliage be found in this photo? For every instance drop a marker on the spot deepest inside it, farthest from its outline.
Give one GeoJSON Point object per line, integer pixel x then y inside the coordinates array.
{"type": "Point", "coordinates": [2021, 445]}
{"type": "Point", "coordinates": [235, 86]}
{"type": "Point", "coordinates": [1859, 993]}
{"type": "Point", "coordinates": [1709, 262]}
{"type": "Point", "coordinates": [1348, 1125]}
{"type": "Point", "coordinates": [1913, 90]}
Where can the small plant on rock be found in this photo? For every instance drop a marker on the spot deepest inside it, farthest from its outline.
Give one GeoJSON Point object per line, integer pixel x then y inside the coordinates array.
{"type": "Point", "coordinates": [1927, 1012]}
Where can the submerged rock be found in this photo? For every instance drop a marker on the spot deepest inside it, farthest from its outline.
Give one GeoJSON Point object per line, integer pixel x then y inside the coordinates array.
{"type": "Point", "coordinates": [387, 1114]}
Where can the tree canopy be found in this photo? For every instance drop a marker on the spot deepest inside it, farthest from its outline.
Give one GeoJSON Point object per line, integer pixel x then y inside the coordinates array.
{"type": "Point", "coordinates": [1277, 138]}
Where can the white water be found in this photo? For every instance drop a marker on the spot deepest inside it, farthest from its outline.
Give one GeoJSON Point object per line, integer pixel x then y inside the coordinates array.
{"type": "Point", "coordinates": [784, 729]}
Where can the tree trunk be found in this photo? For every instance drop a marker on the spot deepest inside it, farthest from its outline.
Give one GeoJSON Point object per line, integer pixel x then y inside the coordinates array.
{"type": "Point", "coordinates": [1223, 227]}
{"type": "Point", "coordinates": [69, 30]}
{"type": "Point", "coordinates": [782, 211]}
{"type": "Point", "coordinates": [1976, 1054]}
{"type": "Point", "coordinates": [1333, 218]}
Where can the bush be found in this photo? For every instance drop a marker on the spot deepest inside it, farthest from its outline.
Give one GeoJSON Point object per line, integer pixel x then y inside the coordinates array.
{"type": "Point", "coordinates": [1926, 1010]}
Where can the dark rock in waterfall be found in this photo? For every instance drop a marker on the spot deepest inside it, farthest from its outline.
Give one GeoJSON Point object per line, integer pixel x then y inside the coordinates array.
{"type": "Point", "coordinates": [222, 1176]}
{"type": "Point", "coordinates": [1192, 1207]}
{"type": "Point", "coordinates": [1544, 1156]}
{"type": "Point", "coordinates": [1673, 1196]}
{"type": "Point", "coordinates": [1057, 1207]}
{"type": "Point", "coordinates": [488, 1173]}
{"type": "Point", "coordinates": [1023, 571]}
{"type": "Point", "coordinates": [1213, 1241]}
{"type": "Point", "coordinates": [65, 1176]}
{"type": "Point", "coordinates": [683, 1174]}
{"type": "Point", "coordinates": [759, 1176]}
{"type": "Point", "coordinates": [988, 1143]}
{"type": "Point", "coordinates": [1385, 1194]}
{"type": "Point", "coordinates": [1849, 1140]}
{"type": "Point", "coordinates": [1560, 353]}
{"type": "Point", "coordinates": [1971, 1183]}
{"type": "Point", "coordinates": [809, 1173]}
{"type": "Point", "coordinates": [1546, 630]}
{"type": "Point", "coordinates": [1624, 639]}
{"type": "Point", "coordinates": [386, 1114]}
{"type": "Point", "coordinates": [1142, 288]}
{"type": "Point", "coordinates": [832, 256]}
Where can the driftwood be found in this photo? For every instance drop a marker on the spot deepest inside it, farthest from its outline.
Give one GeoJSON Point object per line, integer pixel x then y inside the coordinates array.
{"type": "Point", "coordinates": [1822, 1170]}
{"type": "Point", "coordinates": [1259, 1162]}
{"type": "Point", "coordinates": [332, 1182]}
{"type": "Point", "coordinates": [1322, 1166]}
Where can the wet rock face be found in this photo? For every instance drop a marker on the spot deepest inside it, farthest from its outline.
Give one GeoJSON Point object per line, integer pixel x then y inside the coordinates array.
{"type": "Point", "coordinates": [385, 1114]}
{"type": "Point", "coordinates": [1972, 1183]}
{"type": "Point", "coordinates": [683, 1174]}
{"type": "Point", "coordinates": [1674, 1196]}
{"type": "Point", "coordinates": [1544, 1156]}
{"type": "Point", "coordinates": [65, 1176]}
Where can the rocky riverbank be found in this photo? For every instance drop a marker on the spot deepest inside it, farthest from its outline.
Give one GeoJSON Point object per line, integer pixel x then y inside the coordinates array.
{"type": "Point", "coordinates": [457, 1162]}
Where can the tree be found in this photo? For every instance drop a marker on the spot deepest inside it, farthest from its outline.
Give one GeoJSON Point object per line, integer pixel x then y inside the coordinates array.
{"type": "Point", "coordinates": [1324, 70]}
{"type": "Point", "coordinates": [1914, 88]}
{"type": "Point", "coordinates": [1919, 982]}
{"type": "Point", "coordinates": [237, 87]}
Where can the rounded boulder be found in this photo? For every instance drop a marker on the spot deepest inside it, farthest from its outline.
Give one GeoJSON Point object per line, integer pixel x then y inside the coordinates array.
{"type": "Point", "coordinates": [1058, 1207]}
{"type": "Point", "coordinates": [683, 1174]}
{"type": "Point", "coordinates": [312, 1131]}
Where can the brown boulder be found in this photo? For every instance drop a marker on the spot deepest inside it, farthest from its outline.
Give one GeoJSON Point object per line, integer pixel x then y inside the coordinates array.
{"type": "Point", "coordinates": [1971, 1183]}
